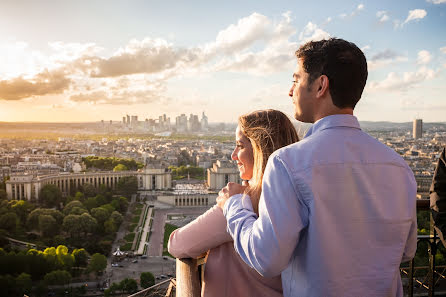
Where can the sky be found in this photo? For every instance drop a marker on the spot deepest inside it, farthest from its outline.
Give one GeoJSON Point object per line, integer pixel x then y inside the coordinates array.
{"type": "Point", "coordinates": [83, 61]}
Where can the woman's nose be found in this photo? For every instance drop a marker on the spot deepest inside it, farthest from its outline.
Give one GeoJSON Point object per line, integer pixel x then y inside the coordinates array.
{"type": "Point", "coordinates": [234, 154]}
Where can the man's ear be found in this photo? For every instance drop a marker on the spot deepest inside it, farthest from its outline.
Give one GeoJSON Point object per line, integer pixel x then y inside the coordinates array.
{"type": "Point", "coordinates": [322, 86]}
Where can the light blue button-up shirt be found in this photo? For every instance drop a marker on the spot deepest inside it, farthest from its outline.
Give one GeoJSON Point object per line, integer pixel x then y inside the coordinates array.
{"type": "Point", "coordinates": [337, 215]}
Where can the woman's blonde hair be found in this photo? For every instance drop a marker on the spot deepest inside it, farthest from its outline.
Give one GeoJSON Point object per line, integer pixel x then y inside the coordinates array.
{"type": "Point", "coordinates": [268, 130]}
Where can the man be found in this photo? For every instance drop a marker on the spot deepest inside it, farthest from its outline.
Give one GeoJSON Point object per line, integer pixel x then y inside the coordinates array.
{"type": "Point", "coordinates": [438, 197]}
{"type": "Point", "coordinates": [337, 213]}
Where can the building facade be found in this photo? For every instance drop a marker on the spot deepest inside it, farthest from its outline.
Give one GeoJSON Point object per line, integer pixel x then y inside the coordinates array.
{"type": "Point", "coordinates": [221, 173]}
{"type": "Point", "coordinates": [27, 187]}
{"type": "Point", "coordinates": [417, 129]}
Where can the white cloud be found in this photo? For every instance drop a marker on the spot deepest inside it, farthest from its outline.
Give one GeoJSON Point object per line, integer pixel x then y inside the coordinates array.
{"type": "Point", "coordinates": [240, 36]}
{"type": "Point", "coordinates": [436, 1]}
{"type": "Point", "coordinates": [382, 16]}
{"type": "Point", "coordinates": [358, 8]}
{"type": "Point", "coordinates": [312, 32]}
{"type": "Point", "coordinates": [275, 56]}
{"type": "Point", "coordinates": [424, 57]}
{"type": "Point", "coordinates": [415, 14]}
{"type": "Point", "coordinates": [384, 58]}
{"type": "Point", "coordinates": [365, 48]}
{"type": "Point", "coordinates": [395, 82]}
{"type": "Point", "coordinates": [72, 51]}
{"type": "Point", "coordinates": [443, 49]}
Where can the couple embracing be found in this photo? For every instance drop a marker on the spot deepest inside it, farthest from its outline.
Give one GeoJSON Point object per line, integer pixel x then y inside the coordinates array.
{"type": "Point", "coordinates": [333, 214]}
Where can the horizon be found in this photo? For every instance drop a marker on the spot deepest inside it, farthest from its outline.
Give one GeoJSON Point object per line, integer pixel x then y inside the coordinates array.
{"type": "Point", "coordinates": [148, 59]}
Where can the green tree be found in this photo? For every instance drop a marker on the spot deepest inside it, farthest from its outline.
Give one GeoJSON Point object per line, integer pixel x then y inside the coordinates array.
{"type": "Point", "coordinates": [147, 279]}
{"type": "Point", "coordinates": [87, 222]}
{"type": "Point", "coordinates": [79, 196]}
{"type": "Point", "coordinates": [64, 258]}
{"type": "Point", "coordinates": [21, 208]}
{"type": "Point", "coordinates": [117, 218]}
{"type": "Point", "coordinates": [7, 286]}
{"type": "Point", "coordinates": [89, 190]}
{"type": "Point", "coordinates": [9, 221]}
{"type": "Point", "coordinates": [110, 226]}
{"type": "Point", "coordinates": [69, 207]}
{"type": "Point", "coordinates": [24, 283]}
{"type": "Point", "coordinates": [3, 195]}
{"type": "Point", "coordinates": [127, 186]}
{"type": "Point", "coordinates": [129, 285]}
{"type": "Point", "coordinates": [71, 225]}
{"type": "Point", "coordinates": [57, 278]}
{"type": "Point", "coordinates": [80, 257]}
{"type": "Point", "coordinates": [78, 210]}
{"type": "Point", "coordinates": [120, 167]}
{"type": "Point", "coordinates": [33, 217]}
{"type": "Point", "coordinates": [50, 195]}
{"type": "Point", "coordinates": [100, 214]}
{"type": "Point", "coordinates": [98, 262]}
{"type": "Point", "coordinates": [91, 203]}
{"type": "Point", "coordinates": [48, 225]}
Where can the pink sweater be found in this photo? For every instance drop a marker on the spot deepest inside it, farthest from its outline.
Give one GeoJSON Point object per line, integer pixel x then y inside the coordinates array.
{"type": "Point", "coordinates": [225, 272]}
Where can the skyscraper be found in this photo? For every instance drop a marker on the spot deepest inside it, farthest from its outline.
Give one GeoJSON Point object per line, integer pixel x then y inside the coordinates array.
{"type": "Point", "coordinates": [417, 128]}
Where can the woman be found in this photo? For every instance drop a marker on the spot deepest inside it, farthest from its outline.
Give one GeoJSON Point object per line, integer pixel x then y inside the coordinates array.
{"type": "Point", "coordinates": [258, 135]}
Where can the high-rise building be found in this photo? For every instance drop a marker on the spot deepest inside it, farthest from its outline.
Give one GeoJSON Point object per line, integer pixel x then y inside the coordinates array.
{"type": "Point", "coordinates": [204, 122]}
{"type": "Point", "coordinates": [417, 128]}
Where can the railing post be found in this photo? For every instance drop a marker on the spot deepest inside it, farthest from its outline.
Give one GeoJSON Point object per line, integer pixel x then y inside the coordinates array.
{"type": "Point", "coordinates": [188, 284]}
{"type": "Point", "coordinates": [411, 272]}
{"type": "Point", "coordinates": [432, 252]}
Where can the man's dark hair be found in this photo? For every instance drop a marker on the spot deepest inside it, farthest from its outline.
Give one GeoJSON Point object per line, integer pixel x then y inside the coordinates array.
{"type": "Point", "coordinates": [342, 62]}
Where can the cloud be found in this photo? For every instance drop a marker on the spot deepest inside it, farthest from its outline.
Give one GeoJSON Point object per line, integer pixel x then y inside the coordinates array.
{"type": "Point", "coordinates": [424, 57]}
{"type": "Point", "coordinates": [443, 49]}
{"type": "Point", "coordinates": [394, 82]}
{"type": "Point", "coordinates": [276, 55]}
{"type": "Point", "coordinates": [436, 1]}
{"type": "Point", "coordinates": [137, 71]}
{"type": "Point", "coordinates": [72, 51]}
{"type": "Point", "coordinates": [382, 16]}
{"type": "Point", "coordinates": [312, 32]}
{"type": "Point", "coordinates": [240, 36]}
{"type": "Point", "coordinates": [358, 8]}
{"type": "Point", "coordinates": [384, 58]}
{"type": "Point", "coordinates": [44, 83]}
{"type": "Point", "coordinates": [415, 14]}
{"type": "Point", "coordinates": [365, 48]}
{"type": "Point", "coordinates": [121, 97]}
{"type": "Point", "coordinates": [146, 56]}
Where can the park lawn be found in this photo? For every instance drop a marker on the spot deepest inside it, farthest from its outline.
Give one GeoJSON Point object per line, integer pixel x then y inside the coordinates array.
{"type": "Point", "coordinates": [129, 237]}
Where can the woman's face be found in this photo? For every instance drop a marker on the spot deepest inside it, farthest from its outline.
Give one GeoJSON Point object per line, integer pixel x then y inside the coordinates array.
{"type": "Point", "coordinates": [243, 154]}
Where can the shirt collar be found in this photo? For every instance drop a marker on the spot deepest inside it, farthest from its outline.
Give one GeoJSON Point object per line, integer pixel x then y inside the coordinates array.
{"type": "Point", "coordinates": [336, 120]}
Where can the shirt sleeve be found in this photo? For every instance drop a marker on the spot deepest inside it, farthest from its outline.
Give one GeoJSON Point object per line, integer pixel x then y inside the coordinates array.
{"type": "Point", "coordinates": [268, 242]}
{"type": "Point", "coordinates": [202, 234]}
{"type": "Point", "coordinates": [411, 244]}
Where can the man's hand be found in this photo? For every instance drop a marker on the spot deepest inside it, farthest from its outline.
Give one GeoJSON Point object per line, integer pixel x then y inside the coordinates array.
{"type": "Point", "coordinates": [230, 190]}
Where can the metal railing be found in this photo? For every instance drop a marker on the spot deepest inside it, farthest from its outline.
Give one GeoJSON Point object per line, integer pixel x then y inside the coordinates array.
{"type": "Point", "coordinates": [425, 279]}
{"type": "Point", "coordinates": [158, 290]}
{"type": "Point", "coordinates": [422, 279]}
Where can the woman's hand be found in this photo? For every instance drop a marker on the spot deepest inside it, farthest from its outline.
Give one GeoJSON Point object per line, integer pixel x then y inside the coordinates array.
{"type": "Point", "coordinates": [230, 190]}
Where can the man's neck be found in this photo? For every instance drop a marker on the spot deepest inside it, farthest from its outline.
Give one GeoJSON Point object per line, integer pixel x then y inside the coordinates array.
{"type": "Point", "coordinates": [333, 111]}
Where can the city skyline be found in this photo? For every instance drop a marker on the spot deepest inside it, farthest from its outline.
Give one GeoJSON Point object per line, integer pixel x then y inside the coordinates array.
{"type": "Point", "coordinates": [78, 62]}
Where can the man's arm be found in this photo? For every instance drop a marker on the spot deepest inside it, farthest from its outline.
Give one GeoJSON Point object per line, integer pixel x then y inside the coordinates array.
{"type": "Point", "coordinates": [267, 243]}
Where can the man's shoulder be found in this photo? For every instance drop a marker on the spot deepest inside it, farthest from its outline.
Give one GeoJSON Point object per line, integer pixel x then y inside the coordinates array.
{"type": "Point", "coordinates": [331, 146]}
